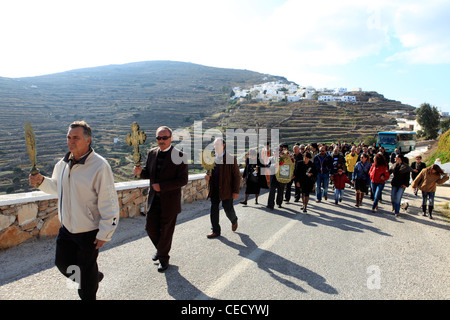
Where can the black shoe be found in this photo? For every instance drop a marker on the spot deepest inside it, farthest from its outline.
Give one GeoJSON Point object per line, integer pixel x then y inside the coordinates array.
{"type": "Point", "coordinates": [162, 266]}
{"type": "Point", "coordinates": [155, 256]}
{"type": "Point", "coordinates": [100, 276]}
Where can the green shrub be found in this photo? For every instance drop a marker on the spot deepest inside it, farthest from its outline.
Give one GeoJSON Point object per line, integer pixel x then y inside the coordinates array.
{"type": "Point", "coordinates": [443, 150]}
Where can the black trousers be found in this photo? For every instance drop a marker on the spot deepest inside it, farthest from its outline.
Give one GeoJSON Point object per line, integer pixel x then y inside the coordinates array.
{"type": "Point", "coordinates": [278, 188]}
{"type": "Point", "coordinates": [287, 194]}
{"type": "Point", "coordinates": [160, 227]}
{"type": "Point", "coordinates": [228, 207]}
{"type": "Point", "coordinates": [76, 257]}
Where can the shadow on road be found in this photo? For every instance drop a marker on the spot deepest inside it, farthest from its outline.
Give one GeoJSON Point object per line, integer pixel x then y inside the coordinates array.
{"type": "Point", "coordinates": [340, 220]}
{"type": "Point", "coordinates": [179, 287]}
{"type": "Point", "coordinates": [271, 263]}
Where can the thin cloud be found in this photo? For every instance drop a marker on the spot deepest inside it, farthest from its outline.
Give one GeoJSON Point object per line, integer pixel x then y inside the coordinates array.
{"type": "Point", "coordinates": [422, 28]}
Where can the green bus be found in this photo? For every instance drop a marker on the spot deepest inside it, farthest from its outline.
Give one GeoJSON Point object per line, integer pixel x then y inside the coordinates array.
{"type": "Point", "coordinates": [404, 141]}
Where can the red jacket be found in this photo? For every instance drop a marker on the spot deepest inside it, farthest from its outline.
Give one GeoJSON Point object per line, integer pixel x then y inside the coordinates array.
{"type": "Point", "coordinates": [375, 174]}
{"type": "Point", "coordinates": [340, 180]}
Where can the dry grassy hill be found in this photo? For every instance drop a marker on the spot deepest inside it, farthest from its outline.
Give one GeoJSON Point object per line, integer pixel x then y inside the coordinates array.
{"type": "Point", "coordinates": [109, 98]}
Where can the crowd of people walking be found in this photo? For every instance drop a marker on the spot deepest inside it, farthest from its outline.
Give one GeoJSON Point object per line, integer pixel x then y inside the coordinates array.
{"type": "Point", "coordinates": [89, 210]}
{"type": "Point", "coordinates": [319, 167]}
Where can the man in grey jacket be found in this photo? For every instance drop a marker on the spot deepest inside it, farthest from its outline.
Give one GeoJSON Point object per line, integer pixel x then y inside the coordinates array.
{"type": "Point", "coordinates": [88, 208]}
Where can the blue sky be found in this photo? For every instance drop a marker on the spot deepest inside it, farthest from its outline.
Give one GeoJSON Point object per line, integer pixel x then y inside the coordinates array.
{"type": "Point", "coordinates": [398, 48]}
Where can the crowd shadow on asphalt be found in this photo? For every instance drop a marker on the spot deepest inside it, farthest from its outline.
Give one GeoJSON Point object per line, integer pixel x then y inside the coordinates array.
{"type": "Point", "coordinates": [414, 210]}
{"type": "Point", "coordinates": [271, 262]}
{"type": "Point", "coordinates": [331, 215]}
{"type": "Point", "coordinates": [42, 251]}
{"type": "Point", "coordinates": [414, 214]}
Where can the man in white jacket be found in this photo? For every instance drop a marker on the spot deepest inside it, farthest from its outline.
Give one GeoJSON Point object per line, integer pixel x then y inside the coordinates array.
{"type": "Point", "coordinates": [88, 208]}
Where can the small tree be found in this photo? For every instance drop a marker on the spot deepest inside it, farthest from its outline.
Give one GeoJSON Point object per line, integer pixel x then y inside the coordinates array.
{"type": "Point", "coordinates": [428, 118]}
{"type": "Point", "coordinates": [370, 140]}
{"type": "Point", "coordinates": [445, 125]}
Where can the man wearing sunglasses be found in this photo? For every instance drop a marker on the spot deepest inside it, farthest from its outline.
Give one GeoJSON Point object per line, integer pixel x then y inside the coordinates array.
{"type": "Point", "coordinates": [167, 176]}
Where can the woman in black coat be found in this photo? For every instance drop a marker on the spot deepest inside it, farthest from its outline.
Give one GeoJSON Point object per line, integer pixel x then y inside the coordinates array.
{"type": "Point", "coordinates": [417, 167]}
{"type": "Point", "coordinates": [402, 174]}
{"type": "Point", "coordinates": [305, 176]}
{"type": "Point", "coordinates": [251, 176]}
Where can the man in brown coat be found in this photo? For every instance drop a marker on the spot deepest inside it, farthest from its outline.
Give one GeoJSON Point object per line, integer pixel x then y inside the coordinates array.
{"type": "Point", "coordinates": [224, 184]}
{"type": "Point", "coordinates": [167, 169]}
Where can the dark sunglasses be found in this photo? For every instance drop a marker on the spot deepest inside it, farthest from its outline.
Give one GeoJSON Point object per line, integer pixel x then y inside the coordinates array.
{"type": "Point", "coordinates": [163, 138]}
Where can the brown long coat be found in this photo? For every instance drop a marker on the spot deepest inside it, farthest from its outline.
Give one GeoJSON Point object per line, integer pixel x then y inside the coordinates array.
{"type": "Point", "coordinates": [426, 180]}
{"type": "Point", "coordinates": [172, 178]}
{"type": "Point", "coordinates": [230, 178]}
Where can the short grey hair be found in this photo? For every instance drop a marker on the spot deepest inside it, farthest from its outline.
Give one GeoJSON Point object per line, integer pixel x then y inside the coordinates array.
{"type": "Point", "coordinates": [82, 124]}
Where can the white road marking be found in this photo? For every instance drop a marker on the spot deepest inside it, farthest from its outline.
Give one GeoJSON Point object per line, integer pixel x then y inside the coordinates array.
{"type": "Point", "coordinates": [225, 280]}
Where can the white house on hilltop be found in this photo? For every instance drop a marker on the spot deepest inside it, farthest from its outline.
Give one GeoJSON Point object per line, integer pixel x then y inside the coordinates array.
{"type": "Point", "coordinates": [279, 91]}
{"type": "Point", "coordinates": [340, 91]}
{"type": "Point", "coordinates": [327, 98]}
{"type": "Point", "coordinates": [348, 98]}
{"type": "Point", "coordinates": [275, 91]}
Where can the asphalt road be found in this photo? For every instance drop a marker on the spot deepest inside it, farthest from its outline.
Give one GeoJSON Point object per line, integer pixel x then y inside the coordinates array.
{"type": "Point", "coordinates": [332, 252]}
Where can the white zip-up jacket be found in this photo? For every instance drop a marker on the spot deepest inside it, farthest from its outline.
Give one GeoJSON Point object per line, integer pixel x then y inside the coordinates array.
{"type": "Point", "coordinates": [87, 195]}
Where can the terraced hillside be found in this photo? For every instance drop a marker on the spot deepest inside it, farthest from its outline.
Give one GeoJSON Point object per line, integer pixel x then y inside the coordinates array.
{"type": "Point", "coordinates": [312, 121]}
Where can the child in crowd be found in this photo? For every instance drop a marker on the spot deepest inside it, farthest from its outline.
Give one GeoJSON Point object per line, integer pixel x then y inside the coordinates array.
{"type": "Point", "coordinates": [340, 179]}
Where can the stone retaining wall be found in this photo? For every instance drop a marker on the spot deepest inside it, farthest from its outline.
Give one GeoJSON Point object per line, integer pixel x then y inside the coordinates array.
{"type": "Point", "coordinates": [34, 214]}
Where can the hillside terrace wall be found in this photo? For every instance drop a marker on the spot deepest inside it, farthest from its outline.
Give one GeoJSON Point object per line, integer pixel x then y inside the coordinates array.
{"type": "Point", "coordinates": [30, 215]}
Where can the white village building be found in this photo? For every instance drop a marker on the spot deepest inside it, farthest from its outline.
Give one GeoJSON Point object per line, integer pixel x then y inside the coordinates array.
{"type": "Point", "coordinates": [327, 98]}
{"type": "Point", "coordinates": [275, 91]}
{"type": "Point", "coordinates": [278, 91]}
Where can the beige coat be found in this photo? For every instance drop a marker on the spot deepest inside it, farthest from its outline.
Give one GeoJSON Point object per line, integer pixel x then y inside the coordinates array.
{"type": "Point", "coordinates": [426, 180]}
{"type": "Point", "coordinates": [87, 195]}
